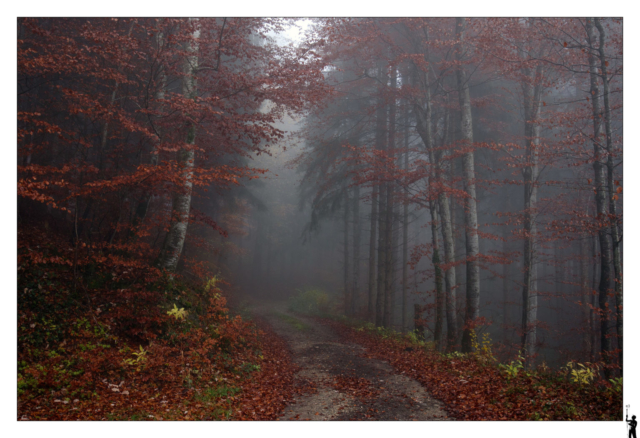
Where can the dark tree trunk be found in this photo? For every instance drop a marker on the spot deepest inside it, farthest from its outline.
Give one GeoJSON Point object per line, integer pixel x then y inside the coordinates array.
{"type": "Point", "coordinates": [601, 206]}
{"type": "Point", "coordinates": [472, 311]}
{"type": "Point", "coordinates": [372, 255]}
{"type": "Point", "coordinates": [356, 250]}
{"type": "Point", "coordinates": [615, 235]}
{"type": "Point", "coordinates": [347, 292]}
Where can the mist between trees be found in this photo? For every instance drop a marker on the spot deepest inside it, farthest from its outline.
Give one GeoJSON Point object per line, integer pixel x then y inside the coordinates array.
{"type": "Point", "coordinates": [447, 175]}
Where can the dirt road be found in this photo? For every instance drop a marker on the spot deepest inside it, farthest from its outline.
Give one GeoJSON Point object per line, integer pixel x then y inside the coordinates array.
{"type": "Point", "coordinates": [349, 386]}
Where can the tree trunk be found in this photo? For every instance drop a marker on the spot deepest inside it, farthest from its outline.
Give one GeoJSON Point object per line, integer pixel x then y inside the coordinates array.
{"type": "Point", "coordinates": [505, 294]}
{"type": "Point", "coordinates": [174, 241]}
{"type": "Point", "coordinates": [372, 255]}
{"type": "Point", "coordinates": [405, 228]}
{"type": "Point", "coordinates": [615, 237]}
{"type": "Point", "coordinates": [438, 330]}
{"type": "Point", "coordinates": [356, 249]}
{"type": "Point", "coordinates": [586, 293]}
{"type": "Point", "coordinates": [143, 205]}
{"type": "Point", "coordinates": [601, 207]}
{"type": "Point", "coordinates": [381, 130]}
{"type": "Point", "coordinates": [389, 286]}
{"type": "Point", "coordinates": [347, 292]}
{"type": "Point", "coordinates": [423, 122]}
{"type": "Point", "coordinates": [531, 88]}
{"type": "Point", "coordinates": [418, 323]}
{"type": "Point", "coordinates": [594, 300]}
{"type": "Point", "coordinates": [472, 311]}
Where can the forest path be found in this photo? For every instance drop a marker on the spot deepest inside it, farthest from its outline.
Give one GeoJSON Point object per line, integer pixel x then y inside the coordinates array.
{"type": "Point", "coordinates": [349, 385]}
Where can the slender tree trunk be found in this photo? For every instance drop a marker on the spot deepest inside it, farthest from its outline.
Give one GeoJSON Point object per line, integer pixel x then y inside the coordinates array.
{"type": "Point", "coordinates": [395, 248]}
{"type": "Point", "coordinates": [438, 330]}
{"type": "Point", "coordinates": [382, 253]}
{"type": "Point", "coordinates": [505, 294]}
{"type": "Point", "coordinates": [405, 228]}
{"type": "Point", "coordinates": [372, 254]}
{"type": "Point", "coordinates": [594, 300]}
{"type": "Point", "coordinates": [615, 236]}
{"type": "Point", "coordinates": [471, 216]}
{"type": "Point", "coordinates": [389, 286]}
{"type": "Point", "coordinates": [347, 292]}
{"type": "Point", "coordinates": [586, 293]}
{"type": "Point", "coordinates": [532, 102]}
{"type": "Point", "coordinates": [381, 131]}
{"type": "Point", "coordinates": [174, 241]}
{"type": "Point", "coordinates": [601, 206]}
{"type": "Point", "coordinates": [449, 245]}
{"type": "Point", "coordinates": [418, 323]}
{"type": "Point", "coordinates": [423, 119]}
{"type": "Point", "coordinates": [143, 205]}
{"type": "Point", "coordinates": [356, 249]}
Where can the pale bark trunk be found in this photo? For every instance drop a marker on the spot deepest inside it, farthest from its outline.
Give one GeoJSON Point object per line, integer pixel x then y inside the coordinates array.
{"type": "Point", "coordinates": [174, 241]}
{"type": "Point", "coordinates": [381, 130]}
{"type": "Point", "coordinates": [532, 102]}
{"type": "Point", "coordinates": [356, 249]}
{"type": "Point", "coordinates": [405, 230]}
{"type": "Point", "coordinates": [438, 330]}
{"type": "Point", "coordinates": [389, 286]}
{"type": "Point", "coordinates": [423, 119]}
{"type": "Point", "coordinates": [372, 255]}
{"type": "Point", "coordinates": [395, 247]}
{"type": "Point", "coordinates": [448, 245]}
{"type": "Point", "coordinates": [615, 235]}
{"type": "Point", "coordinates": [601, 206]}
{"type": "Point", "coordinates": [472, 311]}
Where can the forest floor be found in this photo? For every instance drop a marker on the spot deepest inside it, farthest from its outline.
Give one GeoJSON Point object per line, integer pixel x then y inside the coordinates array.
{"type": "Point", "coordinates": [343, 383]}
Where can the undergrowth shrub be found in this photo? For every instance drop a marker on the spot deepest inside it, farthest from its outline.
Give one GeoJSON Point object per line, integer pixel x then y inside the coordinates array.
{"type": "Point", "coordinates": [84, 338]}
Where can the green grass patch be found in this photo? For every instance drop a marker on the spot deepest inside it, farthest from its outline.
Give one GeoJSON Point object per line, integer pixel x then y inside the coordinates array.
{"type": "Point", "coordinates": [211, 395]}
{"type": "Point", "coordinates": [293, 321]}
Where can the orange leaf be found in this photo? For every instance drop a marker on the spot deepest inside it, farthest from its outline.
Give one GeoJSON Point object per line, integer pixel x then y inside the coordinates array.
{"type": "Point", "coordinates": [565, 44]}
{"type": "Point", "coordinates": [615, 197]}
{"type": "Point", "coordinates": [589, 181]}
{"type": "Point", "coordinates": [619, 189]}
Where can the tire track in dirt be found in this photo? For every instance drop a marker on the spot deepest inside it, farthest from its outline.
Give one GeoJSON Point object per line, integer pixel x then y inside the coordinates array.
{"type": "Point", "coordinates": [349, 386]}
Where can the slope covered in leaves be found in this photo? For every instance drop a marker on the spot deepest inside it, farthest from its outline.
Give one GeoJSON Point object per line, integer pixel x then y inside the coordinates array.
{"type": "Point", "coordinates": [474, 388]}
{"type": "Point", "coordinates": [118, 340]}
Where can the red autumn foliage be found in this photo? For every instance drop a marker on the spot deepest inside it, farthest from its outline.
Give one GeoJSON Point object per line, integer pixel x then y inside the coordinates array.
{"type": "Point", "coordinates": [475, 391]}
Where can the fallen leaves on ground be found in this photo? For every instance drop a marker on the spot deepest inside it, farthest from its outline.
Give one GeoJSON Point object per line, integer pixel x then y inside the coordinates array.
{"type": "Point", "coordinates": [472, 390]}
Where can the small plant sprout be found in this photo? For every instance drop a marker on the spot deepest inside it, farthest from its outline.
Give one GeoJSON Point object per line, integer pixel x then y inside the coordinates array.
{"type": "Point", "coordinates": [177, 313]}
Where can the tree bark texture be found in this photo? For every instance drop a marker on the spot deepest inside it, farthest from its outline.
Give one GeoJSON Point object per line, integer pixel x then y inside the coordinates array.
{"type": "Point", "coordinates": [372, 255]}
{"type": "Point", "coordinates": [390, 256]}
{"type": "Point", "coordinates": [347, 292]}
{"type": "Point", "coordinates": [615, 235]}
{"type": "Point", "coordinates": [532, 88]}
{"type": "Point", "coordinates": [472, 311]}
{"type": "Point", "coordinates": [601, 205]}
{"type": "Point", "coordinates": [356, 250]}
{"type": "Point", "coordinates": [174, 241]}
